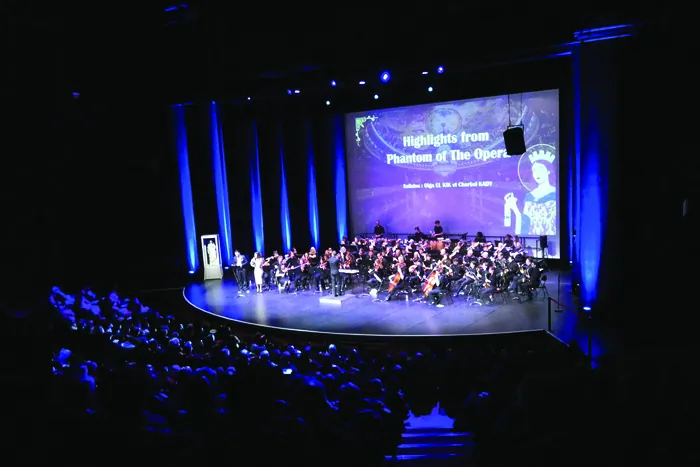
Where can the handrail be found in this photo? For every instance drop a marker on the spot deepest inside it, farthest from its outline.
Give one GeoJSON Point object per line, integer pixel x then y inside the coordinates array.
{"type": "Point", "coordinates": [562, 307]}
{"type": "Point", "coordinates": [395, 235]}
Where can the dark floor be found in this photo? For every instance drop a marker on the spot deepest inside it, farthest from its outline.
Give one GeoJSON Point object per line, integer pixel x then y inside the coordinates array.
{"type": "Point", "coordinates": [364, 315]}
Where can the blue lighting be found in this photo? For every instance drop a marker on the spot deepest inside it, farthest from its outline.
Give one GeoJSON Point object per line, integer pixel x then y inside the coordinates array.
{"type": "Point", "coordinates": [586, 308]}
{"type": "Point", "coordinates": [362, 83]}
{"type": "Point", "coordinates": [385, 77]}
{"type": "Point", "coordinates": [333, 83]}
{"type": "Point", "coordinates": [604, 33]}
{"type": "Point", "coordinates": [313, 201]}
{"type": "Point", "coordinates": [284, 199]}
{"type": "Point", "coordinates": [296, 91]}
{"type": "Point", "coordinates": [440, 70]}
{"type": "Point", "coordinates": [328, 102]}
{"type": "Point", "coordinates": [220, 183]}
{"type": "Point", "coordinates": [592, 146]}
{"type": "Point", "coordinates": [289, 91]}
{"type": "Point", "coordinates": [178, 116]}
{"type": "Point", "coordinates": [256, 195]}
{"type": "Point", "coordinates": [430, 89]}
{"type": "Point", "coordinates": [376, 96]}
{"type": "Point", "coordinates": [341, 202]}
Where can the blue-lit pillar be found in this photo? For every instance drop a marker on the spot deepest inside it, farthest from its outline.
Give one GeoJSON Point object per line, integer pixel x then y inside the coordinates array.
{"type": "Point", "coordinates": [284, 197]}
{"type": "Point", "coordinates": [220, 183]}
{"type": "Point", "coordinates": [341, 200]}
{"type": "Point", "coordinates": [180, 132]}
{"type": "Point", "coordinates": [595, 149]}
{"type": "Point", "coordinates": [256, 194]}
{"type": "Point", "coordinates": [313, 200]}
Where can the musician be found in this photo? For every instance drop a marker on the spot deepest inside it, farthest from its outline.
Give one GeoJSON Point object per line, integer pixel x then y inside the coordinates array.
{"type": "Point", "coordinates": [468, 278]}
{"type": "Point", "coordinates": [334, 267]}
{"type": "Point", "coordinates": [491, 285]}
{"type": "Point", "coordinates": [313, 257]}
{"type": "Point", "coordinates": [376, 274]}
{"type": "Point", "coordinates": [415, 275]}
{"type": "Point", "coordinates": [441, 286]}
{"type": "Point", "coordinates": [321, 273]}
{"type": "Point", "coordinates": [508, 243]}
{"type": "Point", "coordinates": [379, 231]}
{"type": "Point", "coordinates": [531, 279]}
{"type": "Point", "coordinates": [291, 268]}
{"type": "Point", "coordinates": [480, 238]}
{"type": "Point", "coordinates": [418, 236]}
{"type": "Point", "coordinates": [239, 270]}
{"type": "Point", "coordinates": [403, 284]}
{"type": "Point", "coordinates": [438, 230]}
{"type": "Point", "coordinates": [305, 271]}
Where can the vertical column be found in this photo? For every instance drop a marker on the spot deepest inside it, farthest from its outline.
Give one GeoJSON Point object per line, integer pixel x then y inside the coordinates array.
{"type": "Point", "coordinates": [183, 162]}
{"type": "Point", "coordinates": [220, 183]}
{"type": "Point", "coordinates": [341, 200]}
{"type": "Point", "coordinates": [284, 197]}
{"type": "Point", "coordinates": [313, 201]}
{"type": "Point", "coordinates": [256, 194]}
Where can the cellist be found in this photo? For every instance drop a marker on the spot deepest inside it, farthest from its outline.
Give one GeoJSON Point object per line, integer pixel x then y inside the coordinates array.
{"type": "Point", "coordinates": [399, 281]}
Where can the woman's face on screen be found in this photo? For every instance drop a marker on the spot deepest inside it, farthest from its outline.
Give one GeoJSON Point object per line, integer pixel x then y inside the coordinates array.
{"type": "Point", "coordinates": [540, 173]}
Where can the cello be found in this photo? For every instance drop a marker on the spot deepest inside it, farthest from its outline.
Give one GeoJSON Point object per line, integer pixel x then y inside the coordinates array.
{"type": "Point", "coordinates": [396, 279]}
{"type": "Point", "coordinates": [432, 279]}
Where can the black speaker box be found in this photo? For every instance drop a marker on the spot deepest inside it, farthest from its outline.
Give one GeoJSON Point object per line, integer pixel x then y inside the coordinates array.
{"type": "Point", "coordinates": [514, 137]}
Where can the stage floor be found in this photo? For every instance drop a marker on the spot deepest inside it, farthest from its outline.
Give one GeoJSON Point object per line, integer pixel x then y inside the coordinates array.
{"type": "Point", "coordinates": [362, 315]}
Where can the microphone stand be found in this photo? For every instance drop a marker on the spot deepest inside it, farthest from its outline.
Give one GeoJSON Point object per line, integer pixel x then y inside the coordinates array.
{"type": "Point", "coordinates": [558, 310]}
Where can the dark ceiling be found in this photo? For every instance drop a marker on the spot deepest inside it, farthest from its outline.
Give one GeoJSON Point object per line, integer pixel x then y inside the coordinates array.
{"type": "Point", "coordinates": [208, 46]}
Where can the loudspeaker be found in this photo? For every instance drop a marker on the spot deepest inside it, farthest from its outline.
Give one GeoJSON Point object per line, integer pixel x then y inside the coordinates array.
{"type": "Point", "coordinates": [514, 137]}
{"type": "Point", "coordinates": [543, 242]}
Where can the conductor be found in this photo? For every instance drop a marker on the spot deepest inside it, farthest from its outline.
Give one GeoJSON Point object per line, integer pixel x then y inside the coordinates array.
{"type": "Point", "coordinates": [334, 268]}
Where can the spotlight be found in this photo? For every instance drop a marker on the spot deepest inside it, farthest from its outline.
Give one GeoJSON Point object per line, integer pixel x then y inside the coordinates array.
{"type": "Point", "coordinates": [385, 76]}
{"type": "Point", "coordinates": [440, 69]}
{"type": "Point", "coordinates": [249, 98]}
{"type": "Point", "coordinates": [362, 82]}
{"type": "Point", "coordinates": [191, 272]}
{"type": "Point", "coordinates": [424, 73]}
{"type": "Point", "coordinates": [296, 91]}
{"type": "Point", "coordinates": [430, 89]}
{"type": "Point", "coordinates": [376, 96]}
{"type": "Point", "coordinates": [586, 308]}
{"type": "Point", "coordinates": [328, 102]}
{"type": "Point", "coordinates": [333, 83]}
{"type": "Point", "coordinates": [289, 91]}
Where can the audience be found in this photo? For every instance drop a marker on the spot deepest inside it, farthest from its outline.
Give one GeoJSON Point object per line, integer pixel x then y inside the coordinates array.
{"type": "Point", "coordinates": [132, 383]}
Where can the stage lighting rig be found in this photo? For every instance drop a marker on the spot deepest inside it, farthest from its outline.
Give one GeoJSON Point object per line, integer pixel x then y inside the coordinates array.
{"type": "Point", "coordinates": [385, 77]}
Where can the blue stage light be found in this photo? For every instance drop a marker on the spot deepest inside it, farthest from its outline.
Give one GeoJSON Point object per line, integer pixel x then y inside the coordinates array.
{"type": "Point", "coordinates": [328, 102]}
{"type": "Point", "coordinates": [256, 195]}
{"type": "Point", "coordinates": [284, 198]}
{"type": "Point", "coordinates": [296, 91]}
{"type": "Point", "coordinates": [440, 70]}
{"type": "Point", "coordinates": [385, 77]}
{"type": "Point", "coordinates": [220, 183]}
{"type": "Point", "coordinates": [430, 89]}
{"type": "Point", "coordinates": [289, 91]}
{"type": "Point", "coordinates": [376, 96]}
{"type": "Point", "coordinates": [341, 202]}
{"type": "Point", "coordinates": [180, 132]}
{"type": "Point", "coordinates": [333, 83]}
{"type": "Point", "coordinates": [424, 73]}
{"type": "Point", "coordinates": [362, 83]}
{"type": "Point", "coordinates": [313, 201]}
{"type": "Point", "coordinates": [586, 308]}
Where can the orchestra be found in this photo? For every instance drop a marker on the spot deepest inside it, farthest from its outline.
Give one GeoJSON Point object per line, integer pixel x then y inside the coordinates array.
{"type": "Point", "coordinates": [428, 266]}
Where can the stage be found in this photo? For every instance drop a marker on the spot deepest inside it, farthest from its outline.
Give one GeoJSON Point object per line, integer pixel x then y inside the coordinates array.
{"type": "Point", "coordinates": [363, 315]}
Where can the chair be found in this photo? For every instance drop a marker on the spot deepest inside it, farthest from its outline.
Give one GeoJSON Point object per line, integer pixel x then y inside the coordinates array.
{"type": "Point", "coordinates": [503, 293]}
{"type": "Point", "coordinates": [447, 295]}
{"type": "Point", "coordinates": [543, 288]}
